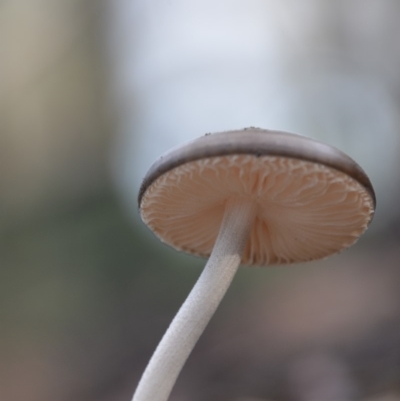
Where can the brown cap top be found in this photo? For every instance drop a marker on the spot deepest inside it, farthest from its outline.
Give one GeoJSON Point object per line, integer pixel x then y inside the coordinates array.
{"type": "Point", "coordinates": [312, 200]}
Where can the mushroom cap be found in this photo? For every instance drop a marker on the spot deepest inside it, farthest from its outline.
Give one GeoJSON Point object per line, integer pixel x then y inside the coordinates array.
{"type": "Point", "coordinates": [312, 199]}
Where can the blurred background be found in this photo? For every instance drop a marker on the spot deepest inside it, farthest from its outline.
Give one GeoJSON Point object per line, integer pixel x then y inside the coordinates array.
{"type": "Point", "coordinates": [90, 94]}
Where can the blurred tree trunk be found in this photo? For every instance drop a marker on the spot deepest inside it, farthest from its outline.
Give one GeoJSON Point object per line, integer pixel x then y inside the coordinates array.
{"type": "Point", "coordinates": [54, 124]}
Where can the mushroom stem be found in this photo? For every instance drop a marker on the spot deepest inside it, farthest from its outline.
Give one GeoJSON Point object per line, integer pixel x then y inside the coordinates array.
{"type": "Point", "coordinates": [195, 313]}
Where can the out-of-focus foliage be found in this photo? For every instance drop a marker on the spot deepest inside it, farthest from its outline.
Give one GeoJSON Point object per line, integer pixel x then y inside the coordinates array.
{"type": "Point", "coordinates": [86, 291]}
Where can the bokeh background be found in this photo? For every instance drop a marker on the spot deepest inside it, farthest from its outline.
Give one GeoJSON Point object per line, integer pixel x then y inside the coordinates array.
{"type": "Point", "coordinates": [91, 92]}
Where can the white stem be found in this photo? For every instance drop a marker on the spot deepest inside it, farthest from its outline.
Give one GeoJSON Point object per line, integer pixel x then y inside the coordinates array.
{"type": "Point", "coordinates": [189, 323]}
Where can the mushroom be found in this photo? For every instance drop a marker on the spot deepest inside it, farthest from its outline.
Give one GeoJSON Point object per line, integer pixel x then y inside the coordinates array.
{"type": "Point", "coordinates": [250, 196]}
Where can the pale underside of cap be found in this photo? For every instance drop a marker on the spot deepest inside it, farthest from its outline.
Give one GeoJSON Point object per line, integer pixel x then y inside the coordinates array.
{"type": "Point", "coordinates": [305, 210]}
